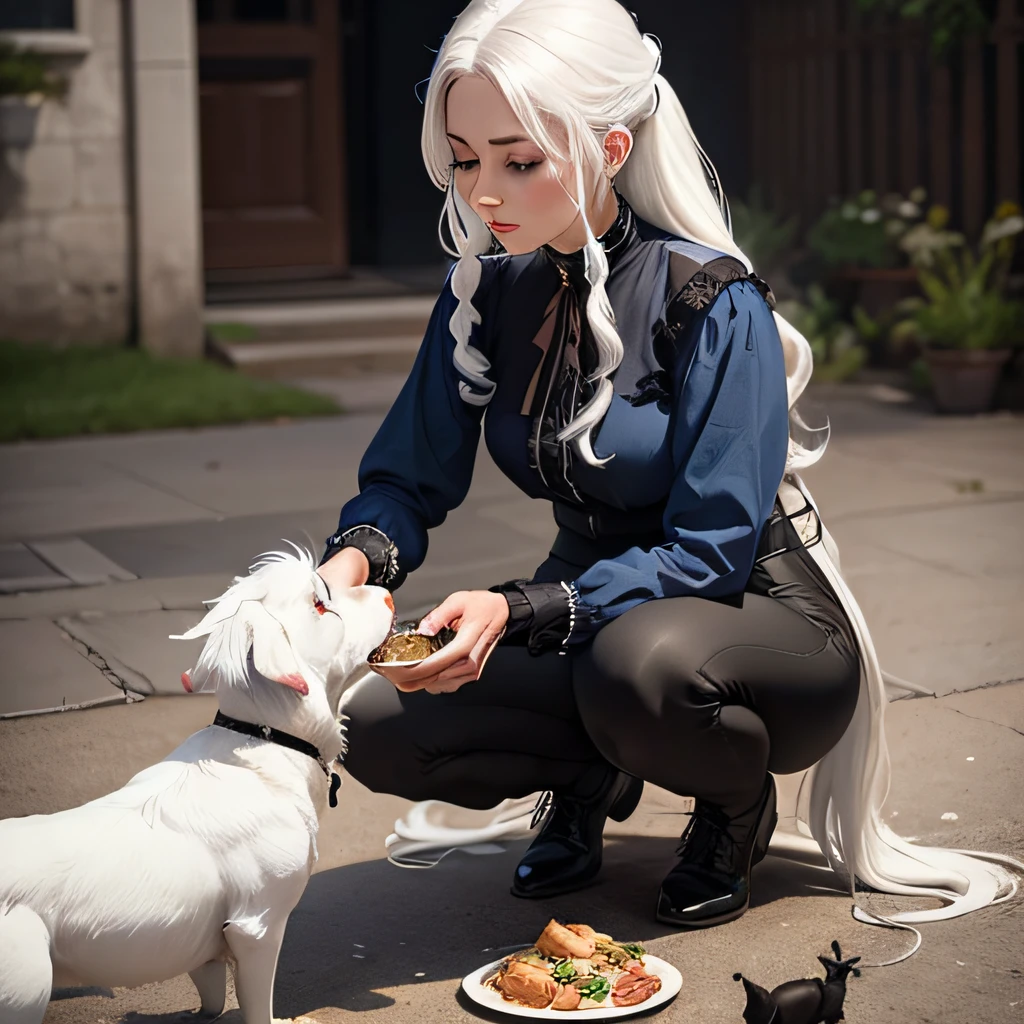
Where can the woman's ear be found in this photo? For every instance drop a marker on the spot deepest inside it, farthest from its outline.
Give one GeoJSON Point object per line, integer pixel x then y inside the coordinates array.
{"type": "Point", "coordinates": [618, 143]}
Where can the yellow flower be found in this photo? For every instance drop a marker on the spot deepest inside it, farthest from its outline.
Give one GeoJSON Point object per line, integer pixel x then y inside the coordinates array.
{"type": "Point", "coordinates": [938, 217]}
{"type": "Point", "coordinates": [1007, 208]}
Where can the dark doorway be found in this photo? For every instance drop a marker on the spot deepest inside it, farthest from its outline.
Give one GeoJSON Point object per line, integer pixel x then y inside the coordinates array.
{"type": "Point", "coordinates": [271, 139]}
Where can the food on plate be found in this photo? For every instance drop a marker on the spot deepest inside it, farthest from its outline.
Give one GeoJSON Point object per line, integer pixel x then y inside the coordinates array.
{"type": "Point", "coordinates": [405, 644]}
{"type": "Point", "coordinates": [560, 941]}
{"type": "Point", "coordinates": [574, 967]}
{"type": "Point", "coordinates": [528, 984]}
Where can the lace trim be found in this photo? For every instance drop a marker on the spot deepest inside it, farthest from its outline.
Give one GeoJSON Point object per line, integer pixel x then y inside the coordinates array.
{"type": "Point", "coordinates": [706, 285]}
{"type": "Point", "coordinates": [574, 599]}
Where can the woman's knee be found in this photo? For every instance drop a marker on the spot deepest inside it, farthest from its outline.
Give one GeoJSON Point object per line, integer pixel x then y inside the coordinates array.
{"type": "Point", "coordinates": [628, 690]}
{"type": "Point", "coordinates": [806, 729]}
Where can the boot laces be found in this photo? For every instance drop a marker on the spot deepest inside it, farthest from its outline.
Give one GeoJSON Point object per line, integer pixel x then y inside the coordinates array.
{"type": "Point", "coordinates": [557, 816]}
{"type": "Point", "coordinates": [709, 838]}
{"type": "Point", "coordinates": [541, 808]}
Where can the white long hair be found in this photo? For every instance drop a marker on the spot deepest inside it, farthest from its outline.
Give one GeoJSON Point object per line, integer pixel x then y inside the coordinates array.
{"type": "Point", "coordinates": [570, 69]}
{"type": "Point", "coordinates": [593, 68]}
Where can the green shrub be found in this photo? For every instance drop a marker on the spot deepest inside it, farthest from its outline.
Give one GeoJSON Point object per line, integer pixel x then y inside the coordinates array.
{"type": "Point", "coordinates": [837, 354]}
{"type": "Point", "coordinates": [48, 393]}
{"type": "Point", "coordinates": [23, 73]}
{"type": "Point", "coordinates": [760, 233]}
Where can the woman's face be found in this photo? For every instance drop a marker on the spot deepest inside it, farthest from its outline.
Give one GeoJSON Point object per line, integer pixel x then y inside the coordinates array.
{"type": "Point", "coordinates": [506, 178]}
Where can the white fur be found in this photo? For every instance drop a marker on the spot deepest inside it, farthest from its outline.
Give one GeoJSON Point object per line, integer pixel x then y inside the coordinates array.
{"type": "Point", "coordinates": [200, 858]}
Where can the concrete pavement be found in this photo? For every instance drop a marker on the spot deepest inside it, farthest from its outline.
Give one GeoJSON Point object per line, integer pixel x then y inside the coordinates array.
{"type": "Point", "coordinates": [928, 516]}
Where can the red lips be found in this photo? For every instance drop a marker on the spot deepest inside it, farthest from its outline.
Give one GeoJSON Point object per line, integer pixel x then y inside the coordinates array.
{"type": "Point", "coordinates": [498, 226]}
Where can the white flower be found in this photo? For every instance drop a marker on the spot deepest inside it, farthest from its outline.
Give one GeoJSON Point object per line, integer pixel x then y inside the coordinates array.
{"type": "Point", "coordinates": [998, 229]}
{"type": "Point", "coordinates": [918, 195]}
{"type": "Point", "coordinates": [871, 216]}
{"type": "Point", "coordinates": [909, 210]}
{"type": "Point", "coordinates": [922, 241]}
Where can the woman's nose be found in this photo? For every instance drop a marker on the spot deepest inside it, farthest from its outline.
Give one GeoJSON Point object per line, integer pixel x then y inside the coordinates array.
{"type": "Point", "coordinates": [485, 195]}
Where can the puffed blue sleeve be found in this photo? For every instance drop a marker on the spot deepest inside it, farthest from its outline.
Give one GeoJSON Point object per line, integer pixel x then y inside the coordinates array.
{"type": "Point", "coordinates": [419, 465]}
{"type": "Point", "coordinates": [729, 436]}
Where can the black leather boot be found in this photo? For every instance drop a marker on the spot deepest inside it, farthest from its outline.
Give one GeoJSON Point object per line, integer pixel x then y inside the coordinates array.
{"type": "Point", "coordinates": [566, 855]}
{"type": "Point", "coordinates": [711, 883]}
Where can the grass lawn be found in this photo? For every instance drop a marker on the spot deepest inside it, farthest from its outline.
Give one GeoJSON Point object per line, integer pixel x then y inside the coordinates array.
{"type": "Point", "coordinates": [48, 393]}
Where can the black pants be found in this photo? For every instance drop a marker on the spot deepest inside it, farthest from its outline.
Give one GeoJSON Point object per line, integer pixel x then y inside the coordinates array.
{"type": "Point", "coordinates": [697, 696]}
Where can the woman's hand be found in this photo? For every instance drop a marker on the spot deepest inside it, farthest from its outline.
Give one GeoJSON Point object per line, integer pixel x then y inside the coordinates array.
{"type": "Point", "coordinates": [348, 568]}
{"type": "Point", "coordinates": [479, 617]}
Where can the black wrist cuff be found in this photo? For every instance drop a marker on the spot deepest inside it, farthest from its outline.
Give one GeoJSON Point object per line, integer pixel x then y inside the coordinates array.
{"type": "Point", "coordinates": [381, 552]}
{"type": "Point", "coordinates": [541, 613]}
{"type": "Point", "coordinates": [520, 611]}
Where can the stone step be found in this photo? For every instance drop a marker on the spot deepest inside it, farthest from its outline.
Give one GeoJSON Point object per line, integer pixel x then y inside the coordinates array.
{"type": "Point", "coordinates": [332, 357]}
{"type": "Point", "coordinates": [343, 338]}
{"type": "Point", "coordinates": [235, 323]}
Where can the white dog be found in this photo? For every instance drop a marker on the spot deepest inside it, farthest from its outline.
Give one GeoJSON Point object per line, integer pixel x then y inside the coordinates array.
{"type": "Point", "coordinates": [201, 858]}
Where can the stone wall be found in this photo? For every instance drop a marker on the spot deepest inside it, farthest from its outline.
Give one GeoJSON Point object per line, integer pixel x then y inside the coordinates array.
{"type": "Point", "coordinates": [64, 201]}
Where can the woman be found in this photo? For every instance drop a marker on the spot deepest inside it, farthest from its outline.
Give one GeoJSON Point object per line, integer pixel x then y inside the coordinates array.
{"type": "Point", "coordinates": [633, 374]}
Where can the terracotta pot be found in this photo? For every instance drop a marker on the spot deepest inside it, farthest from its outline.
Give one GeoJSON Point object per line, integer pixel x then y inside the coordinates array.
{"type": "Point", "coordinates": [964, 380]}
{"type": "Point", "coordinates": [879, 289]}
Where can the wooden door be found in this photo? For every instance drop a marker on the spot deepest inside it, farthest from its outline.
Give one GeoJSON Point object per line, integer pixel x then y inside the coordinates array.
{"type": "Point", "coordinates": [270, 137]}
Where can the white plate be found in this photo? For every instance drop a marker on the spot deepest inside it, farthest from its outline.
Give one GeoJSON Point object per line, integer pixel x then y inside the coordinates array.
{"type": "Point", "coordinates": [671, 983]}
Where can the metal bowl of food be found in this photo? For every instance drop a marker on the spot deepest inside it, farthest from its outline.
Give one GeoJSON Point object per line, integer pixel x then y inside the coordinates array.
{"type": "Point", "coordinates": [405, 646]}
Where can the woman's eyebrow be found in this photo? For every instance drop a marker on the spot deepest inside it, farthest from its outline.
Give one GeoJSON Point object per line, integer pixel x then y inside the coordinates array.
{"type": "Point", "coordinates": [505, 140]}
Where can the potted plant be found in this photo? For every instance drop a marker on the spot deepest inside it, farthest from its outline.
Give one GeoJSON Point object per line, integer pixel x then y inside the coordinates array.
{"type": "Point", "coordinates": [837, 353]}
{"type": "Point", "coordinates": [856, 245]}
{"type": "Point", "coordinates": [966, 324]}
{"type": "Point", "coordinates": [25, 82]}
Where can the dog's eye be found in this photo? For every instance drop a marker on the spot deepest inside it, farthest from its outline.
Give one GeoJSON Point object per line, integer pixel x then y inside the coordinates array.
{"type": "Point", "coordinates": [319, 605]}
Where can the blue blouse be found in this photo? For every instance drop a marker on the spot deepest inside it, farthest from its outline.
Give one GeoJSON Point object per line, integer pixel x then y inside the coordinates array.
{"type": "Point", "coordinates": [698, 421]}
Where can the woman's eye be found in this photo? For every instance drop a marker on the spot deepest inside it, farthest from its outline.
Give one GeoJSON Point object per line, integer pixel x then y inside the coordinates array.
{"type": "Point", "coordinates": [464, 165]}
{"type": "Point", "coordinates": [523, 167]}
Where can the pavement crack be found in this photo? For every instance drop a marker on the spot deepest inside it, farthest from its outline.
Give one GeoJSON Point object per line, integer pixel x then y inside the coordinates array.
{"type": "Point", "coordinates": [987, 721]}
{"type": "Point", "coordinates": [987, 685]}
{"type": "Point", "coordinates": [97, 659]}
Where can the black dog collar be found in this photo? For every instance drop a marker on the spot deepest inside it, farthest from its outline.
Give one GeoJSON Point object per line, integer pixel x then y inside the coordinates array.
{"type": "Point", "coordinates": [282, 739]}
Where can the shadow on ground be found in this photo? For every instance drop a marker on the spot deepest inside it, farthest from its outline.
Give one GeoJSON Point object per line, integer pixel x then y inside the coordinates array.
{"type": "Point", "coordinates": [388, 926]}
{"type": "Point", "coordinates": [363, 928]}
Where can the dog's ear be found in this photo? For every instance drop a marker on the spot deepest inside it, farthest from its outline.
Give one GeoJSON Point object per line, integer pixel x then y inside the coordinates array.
{"type": "Point", "coordinates": [272, 652]}
{"type": "Point", "coordinates": [226, 607]}
{"type": "Point", "coordinates": [217, 652]}
{"type": "Point", "coordinates": [236, 627]}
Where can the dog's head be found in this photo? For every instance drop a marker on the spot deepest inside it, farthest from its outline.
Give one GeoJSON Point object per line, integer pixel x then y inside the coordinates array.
{"type": "Point", "coordinates": [283, 622]}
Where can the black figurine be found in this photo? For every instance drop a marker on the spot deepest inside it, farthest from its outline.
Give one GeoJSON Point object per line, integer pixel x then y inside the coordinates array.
{"type": "Point", "coordinates": [807, 1001]}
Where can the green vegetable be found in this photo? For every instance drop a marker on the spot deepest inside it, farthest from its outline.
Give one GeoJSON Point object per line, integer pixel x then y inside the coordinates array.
{"type": "Point", "coordinates": [565, 970]}
{"type": "Point", "coordinates": [634, 949]}
{"type": "Point", "coordinates": [595, 988]}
